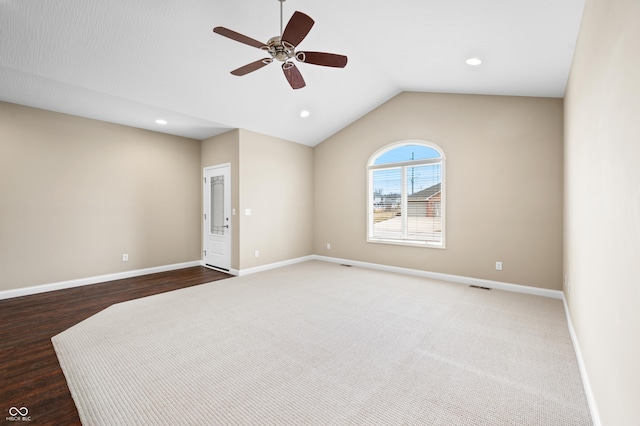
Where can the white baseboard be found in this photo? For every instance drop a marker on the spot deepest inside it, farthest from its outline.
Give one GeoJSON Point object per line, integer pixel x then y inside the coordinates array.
{"type": "Point", "coordinates": [26, 291]}
{"type": "Point", "coordinates": [555, 294]}
{"type": "Point", "coordinates": [274, 265]}
{"type": "Point", "coordinates": [591, 400]}
{"type": "Point", "coordinates": [498, 285]}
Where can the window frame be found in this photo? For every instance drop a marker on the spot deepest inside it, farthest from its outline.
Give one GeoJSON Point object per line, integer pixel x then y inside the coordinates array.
{"type": "Point", "coordinates": [371, 167]}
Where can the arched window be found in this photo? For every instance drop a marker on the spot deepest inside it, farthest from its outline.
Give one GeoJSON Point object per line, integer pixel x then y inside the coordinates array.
{"type": "Point", "coordinates": [406, 195]}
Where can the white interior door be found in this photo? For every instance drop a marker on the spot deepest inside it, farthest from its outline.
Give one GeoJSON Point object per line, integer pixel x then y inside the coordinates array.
{"type": "Point", "coordinates": [217, 220]}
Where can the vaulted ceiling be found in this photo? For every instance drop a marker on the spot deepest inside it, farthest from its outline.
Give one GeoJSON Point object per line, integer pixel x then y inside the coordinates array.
{"type": "Point", "coordinates": [132, 62]}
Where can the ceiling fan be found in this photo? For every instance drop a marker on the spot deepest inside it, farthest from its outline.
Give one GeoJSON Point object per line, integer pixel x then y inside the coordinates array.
{"type": "Point", "coordinates": [283, 48]}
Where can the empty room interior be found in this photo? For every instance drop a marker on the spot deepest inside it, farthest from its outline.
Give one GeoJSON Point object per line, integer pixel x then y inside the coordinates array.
{"type": "Point", "coordinates": [432, 216]}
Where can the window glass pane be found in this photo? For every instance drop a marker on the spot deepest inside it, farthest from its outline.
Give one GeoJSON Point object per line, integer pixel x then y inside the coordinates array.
{"type": "Point", "coordinates": [407, 153]}
{"type": "Point", "coordinates": [424, 202]}
{"type": "Point", "coordinates": [217, 205]}
{"type": "Point", "coordinates": [387, 190]}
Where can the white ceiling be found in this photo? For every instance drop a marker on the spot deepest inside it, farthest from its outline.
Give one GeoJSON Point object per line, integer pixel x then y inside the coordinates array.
{"type": "Point", "coordinates": [132, 61]}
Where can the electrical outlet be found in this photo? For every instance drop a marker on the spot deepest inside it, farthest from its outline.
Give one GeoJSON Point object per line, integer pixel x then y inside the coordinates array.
{"type": "Point", "coordinates": [125, 257]}
{"type": "Point", "coordinates": [328, 246]}
{"type": "Point", "coordinates": [498, 266]}
{"type": "Point", "coordinates": [257, 253]}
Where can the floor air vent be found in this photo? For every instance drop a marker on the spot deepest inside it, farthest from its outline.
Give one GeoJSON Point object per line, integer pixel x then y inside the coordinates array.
{"type": "Point", "coordinates": [480, 287]}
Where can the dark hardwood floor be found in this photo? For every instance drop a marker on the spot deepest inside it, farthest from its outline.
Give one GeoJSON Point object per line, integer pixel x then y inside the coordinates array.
{"type": "Point", "coordinates": [30, 375]}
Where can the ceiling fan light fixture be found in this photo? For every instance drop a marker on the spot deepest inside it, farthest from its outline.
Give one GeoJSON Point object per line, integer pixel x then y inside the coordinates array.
{"type": "Point", "coordinates": [474, 62]}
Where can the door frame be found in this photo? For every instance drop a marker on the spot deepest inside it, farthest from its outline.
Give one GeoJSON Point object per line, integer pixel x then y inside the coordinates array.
{"type": "Point", "coordinates": [205, 197]}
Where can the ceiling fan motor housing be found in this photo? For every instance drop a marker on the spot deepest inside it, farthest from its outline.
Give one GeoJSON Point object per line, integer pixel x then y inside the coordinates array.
{"type": "Point", "coordinates": [280, 49]}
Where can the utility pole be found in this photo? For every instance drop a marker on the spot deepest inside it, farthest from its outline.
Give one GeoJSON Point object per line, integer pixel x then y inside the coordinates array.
{"type": "Point", "coordinates": [412, 170]}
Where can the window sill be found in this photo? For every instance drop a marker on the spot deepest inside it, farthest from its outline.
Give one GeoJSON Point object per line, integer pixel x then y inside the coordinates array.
{"type": "Point", "coordinates": [410, 243]}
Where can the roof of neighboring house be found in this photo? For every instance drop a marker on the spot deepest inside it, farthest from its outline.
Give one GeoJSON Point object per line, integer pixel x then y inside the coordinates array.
{"type": "Point", "coordinates": [425, 194]}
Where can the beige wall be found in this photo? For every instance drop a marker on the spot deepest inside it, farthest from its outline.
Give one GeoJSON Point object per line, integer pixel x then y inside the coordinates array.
{"type": "Point", "coordinates": [602, 223]}
{"type": "Point", "coordinates": [503, 182]}
{"type": "Point", "coordinates": [77, 193]}
{"type": "Point", "coordinates": [224, 149]}
{"type": "Point", "coordinates": [273, 178]}
{"type": "Point", "coordinates": [276, 183]}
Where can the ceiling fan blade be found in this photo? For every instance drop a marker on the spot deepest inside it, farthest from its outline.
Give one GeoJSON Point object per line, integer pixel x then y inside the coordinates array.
{"type": "Point", "coordinates": [238, 37]}
{"type": "Point", "coordinates": [293, 75]}
{"type": "Point", "coordinates": [297, 29]}
{"type": "Point", "coordinates": [322, 58]}
{"type": "Point", "coordinates": [253, 66]}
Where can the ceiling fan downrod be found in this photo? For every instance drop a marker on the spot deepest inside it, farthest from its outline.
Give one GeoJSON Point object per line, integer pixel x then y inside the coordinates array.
{"type": "Point", "coordinates": [281, 26]}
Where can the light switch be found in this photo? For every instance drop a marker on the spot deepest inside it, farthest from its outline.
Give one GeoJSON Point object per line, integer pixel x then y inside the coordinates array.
{"type": "Point", "coordinates": [247, 212]}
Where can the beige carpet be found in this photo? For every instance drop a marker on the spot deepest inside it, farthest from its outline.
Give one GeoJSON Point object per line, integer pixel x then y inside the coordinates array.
{"type": "Point", "coordinates": [322, 344]}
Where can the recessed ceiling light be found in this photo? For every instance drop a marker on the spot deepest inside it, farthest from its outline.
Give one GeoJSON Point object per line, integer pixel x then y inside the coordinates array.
{"type": "Point", "coordinates": [304, 113]}
{"type": "Point", "coordinates": [473, 61]}
{"type": "Point", "coordinates": [161, 121]}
